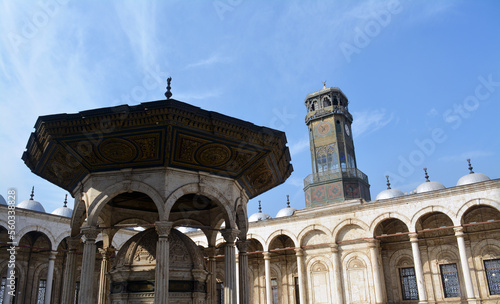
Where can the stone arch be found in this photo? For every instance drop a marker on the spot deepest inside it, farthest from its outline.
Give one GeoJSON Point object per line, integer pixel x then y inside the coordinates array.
{"type": "Point", "coordinates": [206, 190]}
{"type": "Point", "coordinates": [277, 233]}
{"type": "Point", "coordinates": [38, 228]}
{"type": "Point", "coordinates": [430, 209]}
{"type": "Point", "coordinates": [444, 252]}
{"type": "Point", "coordinates": [241, 216]}
{"type": "Point", "coordinates": [476, 202]}
{"type": "Point", "coordinates": [346, 223]}
{"type": "Point", "coordinates": [304, 232]}
{"type": "Point", "coordinates": [388, 215]}
{"type": "Point", "coordinates": [356, 272]}
{"type": "Point", "coordinates": [37, 277]}
{"type": "Point", "coordinates": [258, 238]}
{"type": "Point", "coordinates": [125, 186]}
{"type": "Point", "coordinates": [61, 237]}
{"type": "Point", "coordinates": [485, 248]}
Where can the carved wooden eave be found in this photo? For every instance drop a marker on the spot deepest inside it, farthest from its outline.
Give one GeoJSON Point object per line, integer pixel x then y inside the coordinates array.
{"type": "Point", "coordinates": [65, 148]}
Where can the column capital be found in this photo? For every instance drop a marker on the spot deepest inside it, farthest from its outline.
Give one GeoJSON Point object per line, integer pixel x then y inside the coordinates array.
{"type": "Point", "coordinates": [373, 243]}
{"type": "Point", "coordinates": [459, 231]}
{"type": "Point", "coordinates": [334, 248]}
{"type": "Point", "coordinates": [107, 252]}
{"type": "Point", "coordinates": [230, 235]}
{"type": "Point", "coordinates": [299, 251]}
{"type": "Point", "coordinates": [53, 255]}
{"type": "Point", "coordinates": [163, 228]}
{"type": "Point", "coordinates": [267, 255]}
{"type": "Point", "coordinates": [90, 233]}
{"type": "Point", "coordinates": [72, 243]}
{"type": "Point", "coordinates": [243, 246]}
{"type": "Point", "coordinates": [413, 237]}
{"type": "Point", "coordinates": [210, 251]}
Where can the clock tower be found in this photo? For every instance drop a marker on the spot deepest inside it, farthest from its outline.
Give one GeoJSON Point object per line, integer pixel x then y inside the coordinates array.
{"type": "Point", "coordinates": [335, 176]}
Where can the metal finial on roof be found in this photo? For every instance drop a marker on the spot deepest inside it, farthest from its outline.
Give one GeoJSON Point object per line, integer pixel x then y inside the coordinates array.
{"type": "Point", "coordinates": [32, 193]}
{"type": "Point", "coordinates": [168, 94]}
{"type": "Point", "coordinates": [324, 84]}
{"type": "Point", "coordinates": [260, 208]}
{"type": "Point", "coordinates": [388, 182]}
{"type": "Point", "coordinates": [66, 200]}
{"type": "Point", "coordinates": [288, 201]}
{"type": "Point", "coordinates": [470, 166]}
{"type": "Point", "coordinates": [426, 175]}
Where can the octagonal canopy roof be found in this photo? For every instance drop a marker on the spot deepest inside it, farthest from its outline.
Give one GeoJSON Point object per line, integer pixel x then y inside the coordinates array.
{"type": "Point", "coordinates": [65, 148]}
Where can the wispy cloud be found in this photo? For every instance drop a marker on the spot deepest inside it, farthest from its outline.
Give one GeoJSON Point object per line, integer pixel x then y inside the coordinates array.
{"type": "Point", "coordinates": [463, 156]}
{"type": "Point", "coordinates": [297, 147]}
{"type": "Point", "coordinates": [370, 121]}
{"type": "Point", "coordinates": [209, 61]}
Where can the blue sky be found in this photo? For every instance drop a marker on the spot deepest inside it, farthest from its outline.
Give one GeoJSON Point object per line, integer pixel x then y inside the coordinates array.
{"type": "Point", "coordinates": [422, 77]}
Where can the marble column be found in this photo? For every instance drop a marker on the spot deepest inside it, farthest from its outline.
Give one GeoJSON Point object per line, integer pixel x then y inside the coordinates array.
{"type": "Point", "coordinates": [88, 265]}
{"type": "Point", "coordinates": [459, 233]}
{"type": "Point", "coordinates": [7, 298]}
{"type": "Point", "coordinates": [106, 254]}
{"type": "Point", "coordinates": [337, 274]}
{"type": "Point", "coordinates": [243, 271]}
{"type": "Point", "coordinates": [302, 275]}
{"type": "Point", "coordinates": [267, 269]}
{"type": "Point", "coordinates": [50, 277]}
{"type": "Point", "coordinates": [230, 292]}
{"type": "Point", "coordinates": [212, 272]}
{"type": "Point", "coordinates": [68, 289]}
{"type": "Point", "coordinates": [374, 256]}
{"type": "Point", "coordinates": [162, 262]}
{"type": "Point", "coordinates": [419, 273]}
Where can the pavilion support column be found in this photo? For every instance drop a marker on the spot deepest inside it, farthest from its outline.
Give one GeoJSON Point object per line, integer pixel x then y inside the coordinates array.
{"type": "Point", "coordinates": [339, 293]}
{"type": "Point", "coordinates": [212, 273]}
{"type": "Point", "coordinates": [459, 233]}
{"type": "Point", "coordinates": [243, 272]}
{"type": "Point", "coordinates": [230, 288]}
{"type": "Point", "coordinates": [163, 229]}
{"type": "Point", "coordinates": [299, 252]}
{"type": "Point", "coordinates": [88, 265]}
{"type": "Point", "coordinates": [373, 247]}
{"type": "Point", "coordinates": [68, 289]}
{"type": "Point", "coordinates": [419, 272]}
{"type": "Point", "coordinates": [107, 254]}
{"type": "Point", "coordinates": [7, 294]}
{"type": "Point", "coordinates": [50, 277]}
{"type": "Point", "coordinates": [267, 269]}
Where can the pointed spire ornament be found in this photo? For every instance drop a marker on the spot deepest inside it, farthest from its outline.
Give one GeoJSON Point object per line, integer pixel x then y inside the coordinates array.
{"type": "Point", "coordinates": [32, 193]}
{"type": "Point", "coordinates": [260, 208]}
{"type": "Point", "coordinates": [388, 182]}
{"type": "Point", "coordinates": [426, 175]}
{"type": "Point", "coordinates": [288, 201]}
{"type": "Point", "coordinates": [470, 166]}
{"type": "Point", "coordinates": [66, 200]}
{"type": "Point", "coordinates": [168, 94]}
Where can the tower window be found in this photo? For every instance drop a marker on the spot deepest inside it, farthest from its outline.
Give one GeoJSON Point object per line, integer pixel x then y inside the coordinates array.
{"type": "Point", "coordinates": [339, 127]}
{"type": "Point", "coordinates": [326, 102]}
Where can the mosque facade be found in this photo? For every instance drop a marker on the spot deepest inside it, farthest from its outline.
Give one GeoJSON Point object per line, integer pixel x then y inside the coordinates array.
{"type": "Point", "coordinates": [160, 217]}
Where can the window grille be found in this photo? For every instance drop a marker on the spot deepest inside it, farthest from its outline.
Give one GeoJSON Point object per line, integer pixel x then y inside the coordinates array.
{"type": "Point", "coordinates": [409, 288]}
{"type": "Point", "coordinates": [492, 268]}
{"type": "Point", "coordinates": [42, 285]}
{"type": "Point", "coordinates": [449, 277]}
{"type": "Point", "coordinates": [274, 288]}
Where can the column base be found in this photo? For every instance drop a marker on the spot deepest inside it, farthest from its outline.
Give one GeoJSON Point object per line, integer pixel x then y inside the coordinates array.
{"type": "Point", "coordinates": [473, 301]}
{"type": "Point", "coordinates": [423, 302]}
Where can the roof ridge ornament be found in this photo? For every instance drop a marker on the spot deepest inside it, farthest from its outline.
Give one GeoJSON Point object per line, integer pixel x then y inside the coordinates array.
{"type": "Point", "coordinates": [388, 182]}
{"type": "Point", "coordinates": [32, 193]}
{"type": "Point", "coordinates": [470, 166]}
{"type": "Point", "coordinates": [168, 94]}
{"type": "Point", "coordinates": [324, 84]}
{"type": "Point", "coordinates": [426, 175]}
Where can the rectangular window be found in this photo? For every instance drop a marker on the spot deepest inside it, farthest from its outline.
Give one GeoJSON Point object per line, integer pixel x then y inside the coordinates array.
{"type": "Point", "coordinates": [449, 277]}
{"type": "Point", "coordinates": [409, 288]}
{"type": "Point", "coordinates": [274, 288]}
{"type": "Point", "coordinates": [297, 292]}
{"type": "Point", "coordinates": [492, 269]}
{"type": "Point", "coordinates": [42, 285]}
{"type": "Point", "coordinates": [2, 289]}
{"type": "Point", "coordinates": [77, 291]}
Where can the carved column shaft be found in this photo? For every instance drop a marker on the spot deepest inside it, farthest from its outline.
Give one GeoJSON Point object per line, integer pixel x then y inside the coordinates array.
{"type": "Point", "coordinates": [373, 247]}
{"type": "Point", "coordinates": [162, 262]}
{"type": "Point", "coordinates": [68, 290]}
{"type": "Point", "coordinates": [419, 273]}
{"type": "Point", "coordinates": [230, 292]}
{"type": "Point", "coordinates": [212, 270]}
{"type": "Point", "coordinates": [50, 277]}
{"type": "Point", "coordinates": [301, 273]}
{"type": "Point", "coordinates": [465, 264]}
{"type": "Point", "coordinates": [88, 266]}
{"type": "Point", "coordinates": [337, 275]}
{"type": "Point", "coordinates": [243, 272]}
{"type": "Point", "coordinates": [267, 268]}
{"type": "Point", "coordinates": [106, 254]}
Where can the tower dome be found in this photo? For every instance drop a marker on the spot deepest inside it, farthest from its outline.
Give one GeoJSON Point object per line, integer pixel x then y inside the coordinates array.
{"type": "Point", "coordinates": [31, 204]}
{"type": "Point", "coordinates": [472, 177]}
{"type": "Point", "coordinates": [64, 210]}
{"type": "Point", "coordinates": [287, 211]}
{"type": "Point", "coordinates": [2, 200]}
{"type": "Point", "coordinates": [389, 193]}
{"type": "Point", "coordinates": [259, 216]}
{"type": "Point", "coordinates": [428, 185]}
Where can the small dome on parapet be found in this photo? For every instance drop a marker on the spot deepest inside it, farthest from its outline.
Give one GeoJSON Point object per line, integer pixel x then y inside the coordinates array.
{"type": "Point", "coordinates": [31, 204]}
{"type": "Point", "coordinates": [287, 211]}
{"type": "Point", "coordinates": [259, 216]}
{"type": "Point", "coordinates": [389, 193]}
{"type": "Point", "coordinates": [428, 185]}
{"type": "Point", "coordinates": [472, 177]}
{"type": "Point", "coordinates": [64, 210]}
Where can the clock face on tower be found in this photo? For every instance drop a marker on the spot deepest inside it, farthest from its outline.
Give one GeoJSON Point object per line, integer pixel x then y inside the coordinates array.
{"type": "Point", "coordinates": [323, 128]}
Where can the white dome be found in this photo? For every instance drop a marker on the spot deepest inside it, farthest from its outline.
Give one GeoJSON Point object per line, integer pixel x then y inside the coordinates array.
{"type": "Point", "coordinates": [259, 216]}
{"type": "Point", "coordinates": [429, 186]}
{"type": "Point", "coordinates": [287, 211]}
{"type": "Point", "coordinates": [2, 200]}
{"type": "Point", "coordinates": [31, 205]}
{"type": "Point", "coordinates": [389, 193]}
{"type": "Point", "coordinates": [472, 178]}
{"type": "Point", "coordinates": [63, 211]}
